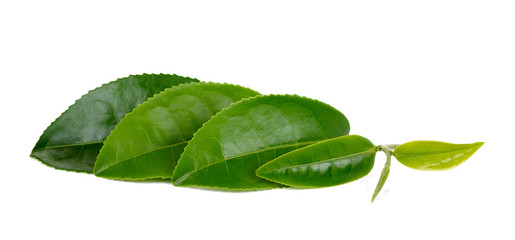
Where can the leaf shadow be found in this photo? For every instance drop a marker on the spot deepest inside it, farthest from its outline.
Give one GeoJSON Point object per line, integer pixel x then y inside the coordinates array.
{"type": "Point", "coordinates": [144, 181]}
{"type": "Point", "coordinates": [287, 188]}
{"type": "Point", "coordinates": [224, 190]}
{"type": "Point", "coordinates": [169, 182]}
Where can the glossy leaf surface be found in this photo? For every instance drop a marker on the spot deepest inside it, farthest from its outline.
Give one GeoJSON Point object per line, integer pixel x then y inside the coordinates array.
{"type": "Point", "coordinates": [228, 149]}
{"type": "Point", "coordinates": [73, 140]}
{"type": "Point", "coordinates": [149, 141]}
{"type": "Point", "coordinates": [324, 164]}
{"type": "Point", "coordinates": [432, 155]}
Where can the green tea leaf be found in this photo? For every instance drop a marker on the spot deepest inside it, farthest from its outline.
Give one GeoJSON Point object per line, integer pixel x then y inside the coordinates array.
{"type": "Point", "coordinates": [432, 155]}
{"type": "Point", "coordinates": [328, 163]}
{"type": "Point", "coordinates": [73, 140]}
{"type": "Point", "coordinates": [149, 141]}
{"type": "Point", "coordinates": [387, 149]}
{"type": "Point", "coordinates": [228, 149]}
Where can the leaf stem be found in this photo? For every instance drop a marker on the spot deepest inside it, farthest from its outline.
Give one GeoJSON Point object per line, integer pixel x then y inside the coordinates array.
{"type": "Point", "coordinates": [388, 150]}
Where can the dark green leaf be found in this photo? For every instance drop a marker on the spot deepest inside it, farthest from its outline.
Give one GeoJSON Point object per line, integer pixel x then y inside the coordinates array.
{"type": "Point", "coordinates": [328, 163]}
{"type": "Point", "coordinates": [228, 149]}
{"type": "Point", "coordinates": [73, 140]}
{"type": "Point", "coordinates": [148, 141]}
{"type": "Point", "coordinates": [432, 155]}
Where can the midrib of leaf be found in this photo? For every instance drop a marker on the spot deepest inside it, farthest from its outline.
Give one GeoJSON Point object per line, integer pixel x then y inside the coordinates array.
{"type": "Point", "coordinates": [245, 154]}
{"type": "Point", "coordinates": [372, 150]}
{"type": "Point", "coordinates": [141, 154]}
{"type": "Point", "coordinates": [67, 145]}
{"type": "Point", "coordinates": [431, 153]}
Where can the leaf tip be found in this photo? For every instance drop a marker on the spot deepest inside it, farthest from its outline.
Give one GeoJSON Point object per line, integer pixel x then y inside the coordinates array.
{"type": "Point", "coordinates": [178, 181]}
{"type": "Point", "coordinates": [99, 170]}
{"type": "Point", "coordinates": [262, 171]}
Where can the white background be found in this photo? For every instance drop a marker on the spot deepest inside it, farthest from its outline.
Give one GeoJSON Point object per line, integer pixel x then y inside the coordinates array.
{"type": "Point", "coordinates": [399, 70]}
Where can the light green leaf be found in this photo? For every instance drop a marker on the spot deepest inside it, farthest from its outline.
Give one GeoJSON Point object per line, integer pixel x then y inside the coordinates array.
{"type": "Point", "coordinates": [148, 141]}
{"type": "Point", "coordinates": [228, 149]}
{"type": "Point", "coordinates": [73, 140]}
{"type": "Point", "coordinates": [432, 155]}
{"type": "Point", "coordinates": [328, 163]}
